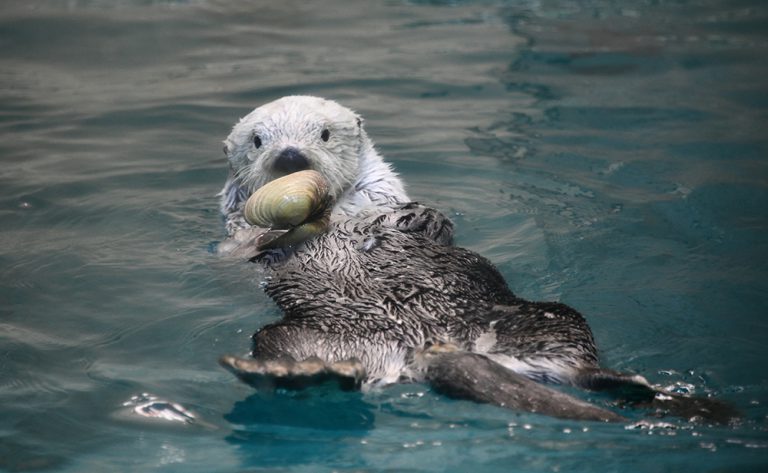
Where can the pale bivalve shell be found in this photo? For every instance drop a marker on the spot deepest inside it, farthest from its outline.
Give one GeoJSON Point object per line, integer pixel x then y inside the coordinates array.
{"type": "Point", "coordinates": [288, 201]}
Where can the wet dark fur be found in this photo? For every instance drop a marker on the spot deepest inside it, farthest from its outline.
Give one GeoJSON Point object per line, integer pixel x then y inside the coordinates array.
{"type": "Point", "coordinates": [381, 290]}
{"type": "Point", "coordinates": [372, 286]}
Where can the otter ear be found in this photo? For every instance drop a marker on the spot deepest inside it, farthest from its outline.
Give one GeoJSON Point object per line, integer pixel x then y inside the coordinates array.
{"type": "Point", "coordinates": [359, 121]}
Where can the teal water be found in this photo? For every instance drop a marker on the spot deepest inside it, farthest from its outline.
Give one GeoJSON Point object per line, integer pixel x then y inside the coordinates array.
{"type": "Point", "coordinates": [609, 155]}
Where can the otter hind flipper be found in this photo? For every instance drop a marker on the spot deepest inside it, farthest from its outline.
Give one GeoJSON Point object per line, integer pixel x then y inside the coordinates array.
{"type": "Point", "coordinates": [694, 408]}
{"type": "Point", "coordinates": [466, 375]}
{"type": "Point", "coordinates": [638, 392]}
{"type": "Point", "coordinates": [630, 387]}
{"type": "Point", "coordinates": [287, 373]}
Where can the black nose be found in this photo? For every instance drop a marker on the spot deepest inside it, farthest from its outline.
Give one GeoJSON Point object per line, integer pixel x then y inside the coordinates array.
{"type": "Point", "coordinates": [290, 160]}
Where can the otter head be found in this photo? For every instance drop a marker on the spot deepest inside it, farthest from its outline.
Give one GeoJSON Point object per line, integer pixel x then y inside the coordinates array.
{"type": "Point", "coordinates": [294, 134]}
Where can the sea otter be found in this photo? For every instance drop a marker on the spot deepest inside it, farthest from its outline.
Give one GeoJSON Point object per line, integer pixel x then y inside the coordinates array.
{"type": "Point", "coordinates": [378, 294]}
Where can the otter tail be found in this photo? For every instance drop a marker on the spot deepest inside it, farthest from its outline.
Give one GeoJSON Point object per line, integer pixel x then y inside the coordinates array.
{"type": "Point", "coordinates": [466, 375]}
{"type": "Point", "coordinates": [636, 391]}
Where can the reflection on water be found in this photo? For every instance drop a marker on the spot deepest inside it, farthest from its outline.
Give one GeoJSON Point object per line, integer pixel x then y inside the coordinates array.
{"type": "Point", "coordinates": [610, 155]}
{"type": "Point", "coordinates": [286, 429]}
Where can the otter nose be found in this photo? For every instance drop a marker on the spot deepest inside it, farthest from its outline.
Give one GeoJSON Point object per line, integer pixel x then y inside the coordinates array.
{"type": "Point", "coordinates": [290, 160]}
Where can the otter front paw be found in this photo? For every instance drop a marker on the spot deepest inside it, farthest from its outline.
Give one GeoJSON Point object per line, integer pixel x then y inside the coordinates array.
{"type": "Point", "coordinates": [243, 244]}
{"type": "Point", "coordinates": [287, 373]}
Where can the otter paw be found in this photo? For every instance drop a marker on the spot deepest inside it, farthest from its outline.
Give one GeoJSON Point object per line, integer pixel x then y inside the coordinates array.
{"type": "Point", "coordinates": [287, 373]}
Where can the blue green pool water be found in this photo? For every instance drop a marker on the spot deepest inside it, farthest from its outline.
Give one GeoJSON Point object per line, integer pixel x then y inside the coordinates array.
{"type": "Point", "coordinates": [609, 155]}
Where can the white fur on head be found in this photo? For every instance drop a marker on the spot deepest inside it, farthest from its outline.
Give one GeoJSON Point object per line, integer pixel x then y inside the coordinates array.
{"type": "Point", "coordinates": [356, 173]}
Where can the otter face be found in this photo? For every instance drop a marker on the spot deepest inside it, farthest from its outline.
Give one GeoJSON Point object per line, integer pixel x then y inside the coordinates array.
{"type": "Point", "coordinates": [294, 134]}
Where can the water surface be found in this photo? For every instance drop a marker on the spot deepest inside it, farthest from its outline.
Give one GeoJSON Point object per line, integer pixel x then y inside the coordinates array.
{"type": "Point", "coordinates": [609, 155]}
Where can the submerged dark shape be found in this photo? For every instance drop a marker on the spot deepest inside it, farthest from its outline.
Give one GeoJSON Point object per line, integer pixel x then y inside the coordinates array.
{"type": "Point", "coordinates": [381, 296]}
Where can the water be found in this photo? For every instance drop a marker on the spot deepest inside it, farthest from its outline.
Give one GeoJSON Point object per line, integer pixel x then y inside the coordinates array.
{"type": "Point", "coordinates": [610, 155]}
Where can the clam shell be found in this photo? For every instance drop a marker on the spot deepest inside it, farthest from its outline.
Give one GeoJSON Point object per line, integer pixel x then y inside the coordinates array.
{"type": "Point", "coordinates": [288, 201]}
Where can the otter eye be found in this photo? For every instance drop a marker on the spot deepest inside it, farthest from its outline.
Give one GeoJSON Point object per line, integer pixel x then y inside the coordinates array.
{"type": "Point", "coordinates": [256, 141]}
{"type": "Point", "coordinates": [325, 135]}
